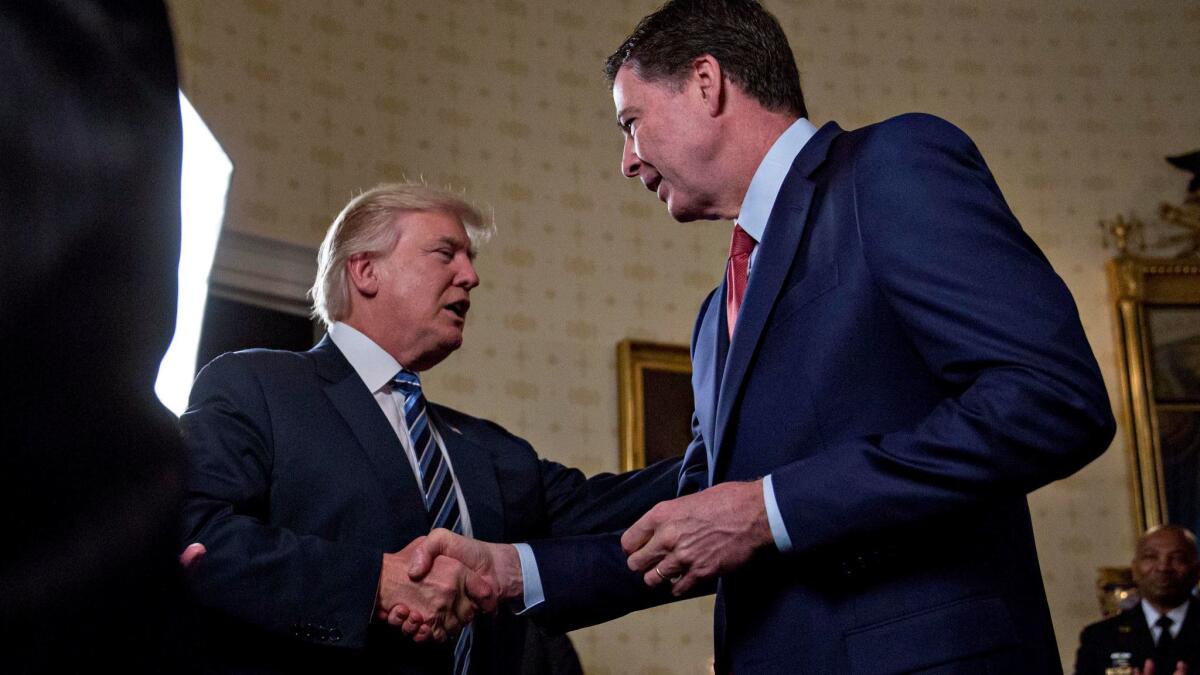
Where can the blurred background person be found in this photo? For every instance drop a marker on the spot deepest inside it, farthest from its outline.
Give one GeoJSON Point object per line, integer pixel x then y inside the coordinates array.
{"type": "Point", "coordinates": [1161, 630]}
{"type": "Point", "coordinates": [90, 462]}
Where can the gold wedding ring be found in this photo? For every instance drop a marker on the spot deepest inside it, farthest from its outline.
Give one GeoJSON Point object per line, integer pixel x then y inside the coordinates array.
{"type": "Point", "coordinates": [669, 580]}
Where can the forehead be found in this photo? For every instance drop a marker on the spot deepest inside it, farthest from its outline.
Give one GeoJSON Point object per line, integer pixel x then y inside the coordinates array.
{"type": "Point", "coordinates": [630, 90]}
{"type": "Point", "coordinates": [430, 225]}
{"type": "Point", "coordinates": [1166, 540]}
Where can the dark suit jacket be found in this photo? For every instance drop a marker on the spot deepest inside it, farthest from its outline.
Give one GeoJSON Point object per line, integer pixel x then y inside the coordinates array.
{"type": "Point", "coordinates": [907, 366]}
{"type": "Point", "coordinates": [299, 485]}
{"type": "Point", "coordinates": [91, 467]}
{"type": "Point", "coordinates": [1128, 633]}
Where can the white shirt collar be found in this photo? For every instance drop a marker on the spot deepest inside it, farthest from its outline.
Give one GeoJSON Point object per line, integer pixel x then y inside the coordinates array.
{"type": "Point", "coordinates": [768, 179]}
{"type": "Point", "coordinates": [1177, 616]}
{"type": "Point", "coordinates": [374, 365]}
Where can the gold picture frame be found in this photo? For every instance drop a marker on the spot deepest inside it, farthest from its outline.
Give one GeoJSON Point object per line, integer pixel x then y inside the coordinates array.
{"type": "Point", "coordinates": [654, 383]}
{"type": "Point", "coordinates": [1157, 338]}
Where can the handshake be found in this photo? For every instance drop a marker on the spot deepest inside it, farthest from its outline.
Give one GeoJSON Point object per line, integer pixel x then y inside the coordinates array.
{"type": "Point", "coordinates": [434, 587]}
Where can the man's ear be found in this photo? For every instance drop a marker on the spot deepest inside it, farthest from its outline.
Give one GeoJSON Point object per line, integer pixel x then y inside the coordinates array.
{"type": "Point", "coordinates": [363, 273]}
{"type": "Point", "coordinates": [710, 82]}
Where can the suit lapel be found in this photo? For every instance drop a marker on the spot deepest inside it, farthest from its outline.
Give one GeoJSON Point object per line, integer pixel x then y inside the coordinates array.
{"type": "Point", "coordinates": [777, 250]}
{"type": "Point", "coordinates": [473, 469]}
{"type": "Point", "coordinates": [707, 363]}
{"type": "Point", "coordinates": [375, 435]}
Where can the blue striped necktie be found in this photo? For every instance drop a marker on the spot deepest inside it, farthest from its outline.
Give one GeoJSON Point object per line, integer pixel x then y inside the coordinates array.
{"type": "Point", "coordinates": [437, 483]}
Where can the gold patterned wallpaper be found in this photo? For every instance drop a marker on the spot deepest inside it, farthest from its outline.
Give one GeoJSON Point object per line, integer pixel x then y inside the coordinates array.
{"type": "Point", "coordinates": [1073, 104]}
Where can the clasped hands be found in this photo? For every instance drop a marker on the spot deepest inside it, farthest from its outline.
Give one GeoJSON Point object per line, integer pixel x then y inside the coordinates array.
{"type": "Point", "coordinates": [1181, 668]}
{"type": "Point", "coordinates": [687, 542]}
{"type": "Point", "coordinates": [433, 587]}
{"type": "Point", "coordinates": [436, 585]}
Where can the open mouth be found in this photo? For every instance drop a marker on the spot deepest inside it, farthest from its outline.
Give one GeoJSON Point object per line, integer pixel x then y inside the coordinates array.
{"type": "Point", "coordinates": [460, 308]}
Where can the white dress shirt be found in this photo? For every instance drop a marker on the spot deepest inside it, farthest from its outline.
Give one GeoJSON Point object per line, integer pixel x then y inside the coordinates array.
{"type": "Point", "coordinates": [1177, 616]}
{"type": "Point", "coordinates": [376, 368]}
{"type": "Point", "coordinates": [753, 216]}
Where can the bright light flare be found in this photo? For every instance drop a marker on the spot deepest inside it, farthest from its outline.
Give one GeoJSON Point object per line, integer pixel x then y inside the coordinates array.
{"type": "Point", "coordinates": [204, 186]}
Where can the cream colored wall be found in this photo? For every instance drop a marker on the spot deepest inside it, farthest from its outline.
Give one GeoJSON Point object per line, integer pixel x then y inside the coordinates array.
{"type": "Point", "coordinates": [1073, 104]}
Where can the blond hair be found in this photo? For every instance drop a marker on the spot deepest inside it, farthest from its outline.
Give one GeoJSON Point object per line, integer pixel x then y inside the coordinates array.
{"type": "Point", "coordinates": [367, 225]}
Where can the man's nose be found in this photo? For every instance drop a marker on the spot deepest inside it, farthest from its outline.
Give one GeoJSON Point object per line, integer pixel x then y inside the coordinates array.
{"type": "Point", "coordinates": [468, 278]}
{"type": "Point", "coordinates": [630, 162]}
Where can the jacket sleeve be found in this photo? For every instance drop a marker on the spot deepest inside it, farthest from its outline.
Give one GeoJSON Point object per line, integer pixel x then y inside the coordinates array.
{"type": "Point", "coordinates": [586, 581]}
{"type": "Point", "coordinates": [606, 502]}
{"type": "Point", "coordinates": [270, 577]}
{"type": "Point", "coordinates": [1024, 401]}
{"type": "Point", "coordinates": [583, 571]}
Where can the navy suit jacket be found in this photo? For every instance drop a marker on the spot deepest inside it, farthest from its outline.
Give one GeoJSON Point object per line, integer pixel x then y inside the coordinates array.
{"type": "Point", "coordinates": [299, 485]}
{"type": "Point", "coordinates": [907, 366]}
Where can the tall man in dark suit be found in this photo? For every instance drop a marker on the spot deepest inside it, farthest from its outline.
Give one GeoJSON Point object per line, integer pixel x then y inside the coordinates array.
{"type": "Point", "coordinates": [889, 360]}
{"type": "Point", "coordinates": [314, 473]}
{"type": "Point", "coordinates": [91, 467]}
{"type": "Point", "coordinates": [1161, 631]}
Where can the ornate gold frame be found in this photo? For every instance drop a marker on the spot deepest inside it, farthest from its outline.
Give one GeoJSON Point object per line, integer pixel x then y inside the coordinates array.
{"type": "Point", "coordinates": [634, 358]}
{"type": "Point", "coordinates": [1136, 283]}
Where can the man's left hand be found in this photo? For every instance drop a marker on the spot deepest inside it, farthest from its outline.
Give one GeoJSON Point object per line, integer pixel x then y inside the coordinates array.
{"type": "Point", "coordinates": [694, 539]}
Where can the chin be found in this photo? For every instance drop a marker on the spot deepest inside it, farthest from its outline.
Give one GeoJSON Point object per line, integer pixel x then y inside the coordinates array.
{"type": "Point", "coordinates": [681, 214]}
{"type": "Point", "coordinates": [686, 213]}
{"type": "Point", "coordinates": [434, 353]}
{"type": "Point", "coordinates": [451, 343]}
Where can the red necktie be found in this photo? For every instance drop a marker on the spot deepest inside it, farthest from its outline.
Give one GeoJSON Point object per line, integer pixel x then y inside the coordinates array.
{"type": "Point", "coordinates": [737, 274]}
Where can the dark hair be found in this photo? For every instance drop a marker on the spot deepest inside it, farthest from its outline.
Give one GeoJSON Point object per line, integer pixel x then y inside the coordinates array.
{"type": "Point", "coordinates": [742, 36]}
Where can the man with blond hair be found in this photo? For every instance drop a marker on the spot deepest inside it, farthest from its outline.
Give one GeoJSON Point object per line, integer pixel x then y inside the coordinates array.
{"type": "Point", "coordinates": [314, 473]}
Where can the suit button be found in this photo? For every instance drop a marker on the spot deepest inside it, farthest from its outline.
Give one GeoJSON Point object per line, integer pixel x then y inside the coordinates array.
{"type": "Point", "coordinates": [335, 635]}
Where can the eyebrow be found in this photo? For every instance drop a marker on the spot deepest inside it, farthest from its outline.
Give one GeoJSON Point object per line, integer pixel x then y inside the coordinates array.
{"type": "Point", "coordinates": [459, 244]}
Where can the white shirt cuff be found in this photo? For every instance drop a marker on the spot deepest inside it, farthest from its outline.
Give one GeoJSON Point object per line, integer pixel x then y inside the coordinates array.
{"type": "Point", "coordinates": [530, 578]}
{"type": "Point", "coordinates": [778, 530]}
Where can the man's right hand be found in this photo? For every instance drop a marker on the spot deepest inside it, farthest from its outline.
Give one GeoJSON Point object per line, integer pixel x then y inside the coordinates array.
{"type": "Point", "coordinates": [437, 603]}
{"type": "Point", "coordinates": [498, 564]}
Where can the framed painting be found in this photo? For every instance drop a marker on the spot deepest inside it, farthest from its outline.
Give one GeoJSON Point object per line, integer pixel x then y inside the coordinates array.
{"type": "Point", "coordinates": [1158, 351]}
{"type": "Point", "coordinates": [654, 383]}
